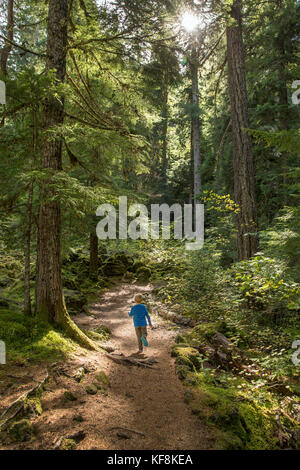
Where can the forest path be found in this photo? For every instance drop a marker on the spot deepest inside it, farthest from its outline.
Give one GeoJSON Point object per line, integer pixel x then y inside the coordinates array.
{"type": "Point", "coordinates": [150, 401]}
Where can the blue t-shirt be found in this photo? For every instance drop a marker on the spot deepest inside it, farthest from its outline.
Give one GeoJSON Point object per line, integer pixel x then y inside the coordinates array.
{"type": "Point", "coordinates": [139, 313]}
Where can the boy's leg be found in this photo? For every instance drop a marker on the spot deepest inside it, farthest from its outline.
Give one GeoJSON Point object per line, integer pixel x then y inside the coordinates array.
{"type": "Point", "coordinates": [139, 334]}
{"type": "Point", "coordinates": [144, 331]}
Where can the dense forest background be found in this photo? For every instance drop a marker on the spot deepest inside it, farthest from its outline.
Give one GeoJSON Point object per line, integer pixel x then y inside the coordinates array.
{"type": "Point", "coordinates": [124, 98]}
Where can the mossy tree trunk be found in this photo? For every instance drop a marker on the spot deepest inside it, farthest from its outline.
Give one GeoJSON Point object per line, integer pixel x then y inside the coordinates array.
{"type": "Point", "coordinates": [50, 303]}
{"type": "Point", "coordinates": [244, 187]}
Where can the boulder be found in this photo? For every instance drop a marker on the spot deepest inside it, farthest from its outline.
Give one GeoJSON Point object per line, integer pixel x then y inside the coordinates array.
{"type": "Point", "coordinates": [69, 396]}
{"type": "Point", "coordinates": [102, 378]}
{"type": "Point", "coordinates": [143, 273]}
{"type": "Point", "coordinates": [91, 389]}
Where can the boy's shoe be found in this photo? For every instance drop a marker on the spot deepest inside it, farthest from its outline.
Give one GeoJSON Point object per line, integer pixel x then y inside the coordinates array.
{"type": "Point", "coordinates": [145, 342]}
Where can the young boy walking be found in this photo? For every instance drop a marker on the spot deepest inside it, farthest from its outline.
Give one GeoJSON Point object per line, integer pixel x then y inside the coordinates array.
{"type": "Point", "coordinates": [139, 313]}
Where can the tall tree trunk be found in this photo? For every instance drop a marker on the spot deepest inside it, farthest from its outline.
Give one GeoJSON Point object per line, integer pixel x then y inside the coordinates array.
{"type": "Point", "coordinates": [191, 194]}
{"type": "Point", "coordinates": [165, 115]}
{"type": "Point", "coordinates": [283, 93]}
{"type": "Point", "coordinates": [244, 186]}
{"type": "Point", "coordinates": [196, 123]}
{"type": "Point", "coordinates": [94, 260]}
{"type": "Point", "coordinates": [50, 303]}
{"type": "Point", "coordinates": [27, 296]}
{"type": "Point", "coordinates": [10, 36]}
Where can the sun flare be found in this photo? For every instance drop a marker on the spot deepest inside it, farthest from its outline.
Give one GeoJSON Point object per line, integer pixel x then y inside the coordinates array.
{"type": "Point", "coordinates": [190, 22]}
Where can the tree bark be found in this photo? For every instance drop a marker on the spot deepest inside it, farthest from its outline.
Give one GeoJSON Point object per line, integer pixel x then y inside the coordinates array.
{"type": "Point", "coordinates": [27, 296]}
{"type": "Point", "coordinates": [196, 123]}
{"type": "Point", "coordinates": [244, 186]}
{"type": "Point", "coordinates": [165, 115]}
{"type": "Point", "coordinates": [10, 36]}
{"type": "Point", "coordinates": [50, 303]}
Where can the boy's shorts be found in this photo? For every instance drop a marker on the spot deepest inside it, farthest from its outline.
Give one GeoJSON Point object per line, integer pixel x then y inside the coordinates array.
{"type": "Point", "coordinates": [140, 331]}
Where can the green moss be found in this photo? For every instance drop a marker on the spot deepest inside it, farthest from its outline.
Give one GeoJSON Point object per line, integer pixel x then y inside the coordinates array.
{"type": "Point", "coordinates": [243, 425]}
{"type": "Point", "coordinates": [205, 331]}
{"type": "Point", "coordinates": [102, 378]}
{"type": "Point", "coordinates": [91, 389]}
{"type": "Point", "coordinates": [182, 371]}
{"type": "Point", "coordinates": [69, 396]}
{"type": "Point", "coordinates": [33, 406]}
{"type": "Point", "coordinates": [180, 339]}
{"type": "Point", "coordinates": [68, 444]}
{"type": "Point", "coordinates": [27, 337]}
{"type": "Point", "coordinates": [184, 361]}
{"type": "Point", "coordinates": [186, 356]}
{"type": "Point", "coordinates": [21, 431]}
{"type": "Point", "coordinates": [103, 330]}
{"type": "Point", "coordinates": [188, 396]}
{"type": "Point", "coordinates": [143, 273]}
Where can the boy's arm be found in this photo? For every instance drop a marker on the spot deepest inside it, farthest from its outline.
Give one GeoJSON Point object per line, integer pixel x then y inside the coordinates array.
{"type": "Point", "coordinates": [131, 312]}
{"type": "Point", "coordinates": [148, 317]}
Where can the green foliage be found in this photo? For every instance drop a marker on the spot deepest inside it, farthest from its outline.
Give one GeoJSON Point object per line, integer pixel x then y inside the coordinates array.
{"type": "Point", "coordinates": [261, 284]}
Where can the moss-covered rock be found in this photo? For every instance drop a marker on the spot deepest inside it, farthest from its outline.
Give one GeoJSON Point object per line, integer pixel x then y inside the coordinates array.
{"type": "Point", "coordinates": [184, 361]}
{"type": "Point", "coordinates": [91, 389]}
{"type": "Point", "coordinates": [182, 371]}
{"type": "Point", "coordinates": [114, 266]}
{"type": "Point", "coordinates": [67, 444]}
{"type": "Point", "coordinates": [180, 339]}
{"type": "Point", "coordinates": [186, 356]}
{"type": "Point", "coordinates": [143, 273]}
{"type": "Point", "coordinates": [136, 265]}
{"type": "Point", "coordinates": [33, 406]}
{"type": "Point", "coordinates": [243, 425]}
{"type": "Point", "coordinates": [69, 396]}
{"type": "Point", "coordinates": [102, 378]}
{"type": "Point", "coordinates": [21, 431]}
{"type": "Point", "coordinates": [128, 276]}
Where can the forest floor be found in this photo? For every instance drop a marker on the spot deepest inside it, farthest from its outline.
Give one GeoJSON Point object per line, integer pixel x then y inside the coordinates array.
{"type": "Point", "coordinates": [144, 408]}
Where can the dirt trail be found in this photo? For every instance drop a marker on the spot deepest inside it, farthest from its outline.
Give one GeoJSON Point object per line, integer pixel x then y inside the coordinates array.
{"type": "Point", "coordinates": [150, 401]}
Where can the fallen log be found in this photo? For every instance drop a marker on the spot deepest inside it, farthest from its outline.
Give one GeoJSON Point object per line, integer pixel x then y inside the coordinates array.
{"type": "Point", "coordinates": [148, 362]}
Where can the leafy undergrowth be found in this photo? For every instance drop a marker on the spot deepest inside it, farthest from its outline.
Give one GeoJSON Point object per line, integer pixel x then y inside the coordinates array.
{"type": "Point", "coordinates": [251, 398]}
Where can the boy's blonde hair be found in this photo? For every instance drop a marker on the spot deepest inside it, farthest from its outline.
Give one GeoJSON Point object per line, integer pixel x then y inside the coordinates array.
{"type": "Point", "coordinates": [138, 298]}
